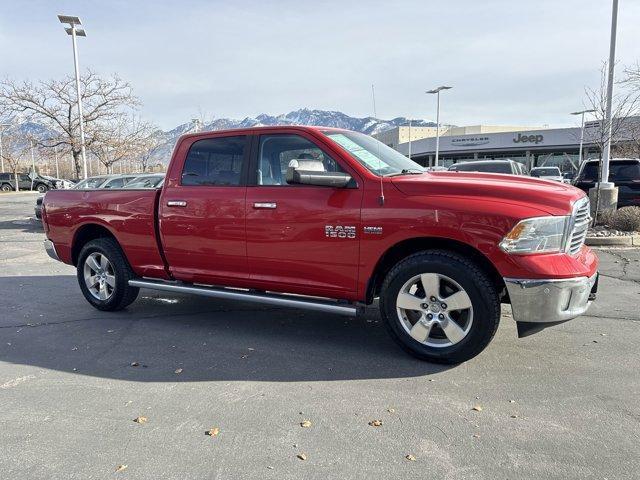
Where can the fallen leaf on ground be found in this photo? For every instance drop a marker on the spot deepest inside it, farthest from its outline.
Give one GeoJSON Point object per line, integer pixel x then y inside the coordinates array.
{"type": "Point", "coordinates": [477, 408]}
{"type": "Point", "coordinates": [140, 419]}
{"type": "Point", "coordinates": [213, 432]}
{"type": "Point", "coordinates": [411, 458]}
{"type": "Point", "coordinates": [305, 423]}
{"type": "Point", "coordinates": [134, 364]}
{"type": "Point", "coordinates": [302, 456]}
{"type": "Point", "coordinates": [514, 416]}
{"type": "Point", "coordinates": [476, 435]}
{"type": "Point", "coordinates": [375, 423]}
{"type": "Point", "coordinates": [178, 370]}
{"type": "Point", "coordinates": [120, 468]}
{"type": "Point", "coordinates": [391, 410]}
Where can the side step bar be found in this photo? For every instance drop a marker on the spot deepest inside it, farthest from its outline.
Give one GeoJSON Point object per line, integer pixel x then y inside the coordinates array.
{"type": "Point", "coordinates": [308, 303]}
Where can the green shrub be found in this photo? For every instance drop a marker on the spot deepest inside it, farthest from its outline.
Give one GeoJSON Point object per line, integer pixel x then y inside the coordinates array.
{"type": "Point", "coordinates": [626, 219]}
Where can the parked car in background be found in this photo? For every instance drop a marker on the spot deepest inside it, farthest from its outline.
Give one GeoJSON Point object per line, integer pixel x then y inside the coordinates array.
{"type": "Point", "coordinates": [284, 215]}
{"type": "Point", "coordinates": [100, 181]}
{"type": "Point", "coordinates": [624, 172]}
{"type": "Point", "coordinates": [39, 183]}
{"type": "Point", "coordinates": [105, 181]}
{"type": "Point", "coordinates": [490, 166]}
{"type": "Point", "coordinates": [547, 173]}
{"type": "Point", "coordinates": [150, 180]}
{"type": "Point", "coordinates": [436, 168]}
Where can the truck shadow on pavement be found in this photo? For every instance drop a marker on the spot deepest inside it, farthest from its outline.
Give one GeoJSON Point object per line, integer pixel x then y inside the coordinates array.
{"type": "Point", "coordinates": [45, 322]}
{"type": "Point", "coordinates": [26, 225]}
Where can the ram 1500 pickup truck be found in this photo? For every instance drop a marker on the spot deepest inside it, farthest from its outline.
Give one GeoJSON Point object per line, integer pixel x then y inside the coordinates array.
{"type": "Point", "coordinates": [330, 220]}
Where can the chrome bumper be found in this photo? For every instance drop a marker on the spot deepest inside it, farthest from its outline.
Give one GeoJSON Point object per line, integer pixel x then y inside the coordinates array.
{"type": "Point", "coordinates": [51, 249]}
{"type": "Point", "coordinates": [550, 300]}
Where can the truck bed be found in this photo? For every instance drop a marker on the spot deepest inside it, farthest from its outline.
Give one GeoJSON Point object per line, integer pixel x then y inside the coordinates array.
{"type": "Point", "coordinates": [129, 215]}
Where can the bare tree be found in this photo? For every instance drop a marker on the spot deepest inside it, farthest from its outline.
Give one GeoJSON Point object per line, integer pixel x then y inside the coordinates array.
{"type": "Point", "coordinates": [52, 104]}
{"type": "Point", "coordinates": [124, 139]}
{"type": "Point", "coordinates": [13, 152]}
{"type": "Point", "coordinates": [625, 103]}
{"type": "Point", "coordinates": [150, 145]}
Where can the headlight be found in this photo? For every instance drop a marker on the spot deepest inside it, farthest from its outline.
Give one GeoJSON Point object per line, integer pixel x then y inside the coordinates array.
{"type": "Point", "coordinates": [537, 235]}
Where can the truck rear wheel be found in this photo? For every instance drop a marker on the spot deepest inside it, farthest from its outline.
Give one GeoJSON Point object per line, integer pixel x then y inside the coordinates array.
{"type": "Point", "coordinates": [104, 273]}
{"type": "Point", "coordinates": [440, 306]}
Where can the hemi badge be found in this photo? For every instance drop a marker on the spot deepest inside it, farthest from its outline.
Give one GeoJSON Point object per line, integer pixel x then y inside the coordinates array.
{"type": "Point", "coordinates": [373, 230]}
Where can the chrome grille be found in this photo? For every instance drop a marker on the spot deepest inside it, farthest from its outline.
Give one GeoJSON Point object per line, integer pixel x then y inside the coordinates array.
{"type": "Point", "coordinates": [580, 220]}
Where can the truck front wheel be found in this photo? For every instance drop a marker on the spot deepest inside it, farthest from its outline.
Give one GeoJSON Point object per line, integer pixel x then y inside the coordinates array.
{"type": "Point", "coordinates": [103, 274]}
{"type": "Point", "coordinates": [440, 306]}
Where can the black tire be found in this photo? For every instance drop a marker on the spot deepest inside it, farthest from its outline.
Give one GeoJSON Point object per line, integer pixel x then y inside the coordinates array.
{"type": "Point", "coordinates": [475, 282]}
{"type": "Point", "coordinates": [122, 294]}
{"type": "Point", "coordinates": [6, 187]}
{"type": "Point", "coordinates": [42, 188]}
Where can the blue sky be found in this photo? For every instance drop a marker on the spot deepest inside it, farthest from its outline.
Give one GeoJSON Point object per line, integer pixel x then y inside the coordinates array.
{"type": "Point", "coordinates": [510, 62]}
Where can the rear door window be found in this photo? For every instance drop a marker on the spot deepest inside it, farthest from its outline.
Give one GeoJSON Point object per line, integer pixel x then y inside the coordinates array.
{"type": "Point", "coordinates": [215, 162]}
{"type": "Point", "coordinates": [625, 171]}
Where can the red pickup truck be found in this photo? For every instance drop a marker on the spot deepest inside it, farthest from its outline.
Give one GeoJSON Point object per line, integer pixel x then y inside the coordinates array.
{"type": "Point", "coordinates": [329, 220]}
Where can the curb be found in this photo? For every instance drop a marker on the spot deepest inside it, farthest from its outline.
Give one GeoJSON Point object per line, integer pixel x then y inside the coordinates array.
{"type": "Point", "coordinates": [626, 241]}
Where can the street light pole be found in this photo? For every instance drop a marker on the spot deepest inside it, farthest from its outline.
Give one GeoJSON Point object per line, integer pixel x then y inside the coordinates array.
{"type": "Point", "coordinates": [55, 153]}
{"type": "Point", "coordinates": [409, 139]}
{"type": "Point", "coordinates": [604, 177]}
{"type": "Point", "coordinates": [75, 32]}
{"type": "Point", "coordinates": [33, 164]}
{"type": "Point", "coordinates": [581, 113]}
{"type": "Point", "coordinates": [437, 92]}
{"type": "Point", "coordinates": [2, 126]}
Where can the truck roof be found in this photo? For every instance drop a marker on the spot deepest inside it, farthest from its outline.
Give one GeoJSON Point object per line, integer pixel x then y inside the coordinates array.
{"type": "Point", "coordinates": [270, 128]}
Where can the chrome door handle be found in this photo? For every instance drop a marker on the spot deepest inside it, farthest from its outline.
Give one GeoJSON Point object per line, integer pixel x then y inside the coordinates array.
{"type": "Point", "coordinates": [176, 203]}
{"type": "Point", "coordinates": [270, 205]}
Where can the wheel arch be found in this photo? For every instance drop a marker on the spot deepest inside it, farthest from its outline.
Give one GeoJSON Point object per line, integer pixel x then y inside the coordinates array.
{"type": "Point", "coordinates": [410, 246]}
{"type": "Point", "coordinates": [86, 233]}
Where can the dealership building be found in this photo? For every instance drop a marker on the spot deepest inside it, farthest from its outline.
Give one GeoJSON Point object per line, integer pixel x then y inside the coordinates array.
{"type": "Point", "coordinates": [533, 147]}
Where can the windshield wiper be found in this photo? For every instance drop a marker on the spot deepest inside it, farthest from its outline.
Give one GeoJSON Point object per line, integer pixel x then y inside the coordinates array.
{"type": "Point", "coordinates": [406, 171]}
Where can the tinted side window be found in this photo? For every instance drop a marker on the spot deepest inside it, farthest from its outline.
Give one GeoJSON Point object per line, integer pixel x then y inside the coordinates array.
{"type": "Point", "coordinates": [115, 183]}
{"type": "Point", "coordinates": [277, 151]}
{"type": "Point", "coordinates": [590, 172]}
{"type": "Point", "coordinates": [625, 171]}
{"type": "Point", "coordinates": [215, 161]}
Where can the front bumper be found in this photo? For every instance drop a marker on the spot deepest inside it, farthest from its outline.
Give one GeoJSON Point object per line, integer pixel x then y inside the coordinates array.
{"type": "Point", "coordinates": [51, 249]}
{"type": "Point", "coordinates": [539, 303]}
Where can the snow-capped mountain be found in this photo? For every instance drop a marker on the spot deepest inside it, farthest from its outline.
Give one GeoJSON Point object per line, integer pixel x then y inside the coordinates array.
{"type": "Point", "coordinates": [304, 116]}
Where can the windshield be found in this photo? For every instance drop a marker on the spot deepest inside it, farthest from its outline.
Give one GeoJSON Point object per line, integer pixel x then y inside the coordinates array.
{"type": "Point", "coordinates": [545, 172]}
{"type": "Point", "coordinates": [94, 182]}
{"type": "Point", "coordinates": [495, 167]}
{"type": "Point", "coordinates": [145, 182]}
{"type": "Point", "coordinates": [375, 156]}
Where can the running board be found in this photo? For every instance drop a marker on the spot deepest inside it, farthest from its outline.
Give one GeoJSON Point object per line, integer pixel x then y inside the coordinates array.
{"type": "Point", "coordinates": [306, 303]}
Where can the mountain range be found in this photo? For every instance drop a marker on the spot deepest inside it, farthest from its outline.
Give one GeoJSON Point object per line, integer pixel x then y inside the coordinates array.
{"type": "Point", "coordinates": [303, 116]}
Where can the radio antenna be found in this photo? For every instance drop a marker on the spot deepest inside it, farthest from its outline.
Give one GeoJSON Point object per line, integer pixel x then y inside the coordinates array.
{"type": "Point", "coordinates": [375, 116]}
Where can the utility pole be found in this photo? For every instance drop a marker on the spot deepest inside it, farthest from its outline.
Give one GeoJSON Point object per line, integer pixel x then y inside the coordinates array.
{"type": "Point", "coordinates": [581, 113]}
{"type": "Point", "coordinates": [77, 32]}
{"type": "Point", "coordinates": [437, 92]}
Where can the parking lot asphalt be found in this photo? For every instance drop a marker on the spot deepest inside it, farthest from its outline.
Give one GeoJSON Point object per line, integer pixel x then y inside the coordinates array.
{"type": "Point", "coordinates": [560, 404]}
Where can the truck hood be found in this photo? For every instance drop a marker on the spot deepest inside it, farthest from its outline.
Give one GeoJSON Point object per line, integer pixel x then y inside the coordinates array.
{"type": "Point", "coordinates": [546, 195]}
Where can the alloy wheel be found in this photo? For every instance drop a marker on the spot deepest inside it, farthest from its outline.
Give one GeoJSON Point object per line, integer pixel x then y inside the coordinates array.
{"type": "Point", "coordinates": [434, 310]}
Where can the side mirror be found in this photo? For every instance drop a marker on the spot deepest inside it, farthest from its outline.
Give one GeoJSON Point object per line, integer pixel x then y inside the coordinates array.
{"type": "Point", "coordinates": [295, 175]}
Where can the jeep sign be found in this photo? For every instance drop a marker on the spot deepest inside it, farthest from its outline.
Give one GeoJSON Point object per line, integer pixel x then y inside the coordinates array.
{"type": "Point", "coordinates": [528, 138]}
